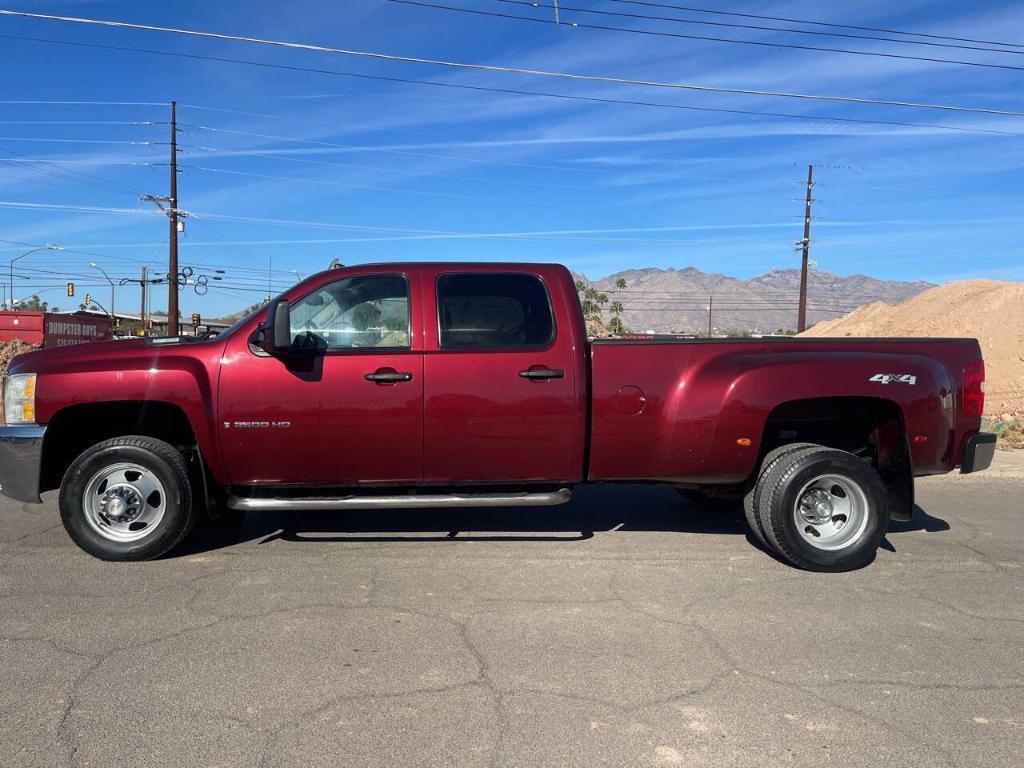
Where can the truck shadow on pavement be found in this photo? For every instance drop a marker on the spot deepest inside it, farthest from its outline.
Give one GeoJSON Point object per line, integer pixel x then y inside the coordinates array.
{"type": "Point", "coordinates": [608, 508]}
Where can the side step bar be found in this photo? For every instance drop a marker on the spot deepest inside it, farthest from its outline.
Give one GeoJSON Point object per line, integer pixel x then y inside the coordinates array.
{"type": "Point", "coordinates": [409, 501]}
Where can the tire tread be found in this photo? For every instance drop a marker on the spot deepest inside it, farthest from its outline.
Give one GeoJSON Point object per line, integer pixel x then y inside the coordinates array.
{"type": "Point", "coordinates": [751, 498]}
{"type": "Point", "coordinates": [175, 463]}
{"type": "Point", "coordinates": [776, 484]}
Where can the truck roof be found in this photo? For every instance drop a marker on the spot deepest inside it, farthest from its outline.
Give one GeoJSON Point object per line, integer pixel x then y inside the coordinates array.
{"type": "Point", "coordinates": [530, 266]}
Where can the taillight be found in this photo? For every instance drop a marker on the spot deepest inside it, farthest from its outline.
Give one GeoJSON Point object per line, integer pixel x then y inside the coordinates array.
{"type": "Point", "coordinates": [974, 388]}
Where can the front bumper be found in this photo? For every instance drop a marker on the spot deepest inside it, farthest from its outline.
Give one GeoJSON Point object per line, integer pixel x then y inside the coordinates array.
{"type": "Point", "coordinates": [978, 452]}
{"type": "Point", "coordinates": [21, 454]}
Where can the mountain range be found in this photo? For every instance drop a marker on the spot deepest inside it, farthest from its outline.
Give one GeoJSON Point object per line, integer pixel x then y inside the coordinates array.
{"type": "Point", "coordinates": [677, 300]}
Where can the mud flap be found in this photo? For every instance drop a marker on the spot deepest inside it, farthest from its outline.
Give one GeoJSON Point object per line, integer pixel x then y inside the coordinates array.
{"type": "Point", "coordinates": [898, 478]}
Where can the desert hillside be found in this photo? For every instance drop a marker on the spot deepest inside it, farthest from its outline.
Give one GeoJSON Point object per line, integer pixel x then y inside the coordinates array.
{"type": "Point", "coordinates": [991, 311]}
{"type": "Point", "coordinates": [675, 300]}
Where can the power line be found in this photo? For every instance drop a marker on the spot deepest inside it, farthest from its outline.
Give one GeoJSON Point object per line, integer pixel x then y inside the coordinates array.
{"type": "Point", "coordinates": [504, 69]}
{"type": "Point", "coordinates": [762, 28]}
{"type": "Point", "coordinates": [42, 176]}
{"type": "Point", "coordinates": [813, 23]}
{"type": "Point", "coordinates": [407, 153]}
{"type": "Point", "coordinates": [74, 208]}
{"type": "Point", "coordinates": [382, 169]}
{"type": "Point", "coordinates": [229, 152]}
{"type": "Point", "coordinates": [68, 173]}
{"type": "Point", "coordinates": [77, 141]}
{"type": "Point", "coordinates": [86, 103]}
{"type": "Point", "coordinates": [396, 190]}
{"type": "Point", "coordinates": [77, 122]}
{"type": "Point", "coordinates": [424, 233]}
{"type": "Point", "coordinates": [242, 112]}
{"type": "Point", "coordinates": [705, 38]}
{"type": "Point", "coordinates": [510, 91]}
{"type": "Point", "coordinates": [76, 161]}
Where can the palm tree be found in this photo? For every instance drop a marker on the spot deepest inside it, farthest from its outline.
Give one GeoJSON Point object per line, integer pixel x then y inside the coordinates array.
{"type": "Point", "coordinates": [615, 325]}
{"type": "Point", "coordinates": [592, 302]}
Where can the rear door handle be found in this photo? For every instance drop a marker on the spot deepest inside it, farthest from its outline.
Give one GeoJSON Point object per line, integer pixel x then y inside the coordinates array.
{"type": "Point", "coordinates": [543, 373]}
{"type": "Point", "coordinates": [388, 377]}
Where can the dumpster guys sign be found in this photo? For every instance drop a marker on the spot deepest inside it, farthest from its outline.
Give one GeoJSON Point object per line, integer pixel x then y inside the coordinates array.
{"type": "Point", "coordinates": [53, 330]}
{"type": "Point", "coordinates": [63, 331]}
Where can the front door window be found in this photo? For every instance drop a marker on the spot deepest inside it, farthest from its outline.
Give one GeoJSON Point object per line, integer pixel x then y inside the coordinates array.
{"type": "Point", "coordinates": [356, 312]}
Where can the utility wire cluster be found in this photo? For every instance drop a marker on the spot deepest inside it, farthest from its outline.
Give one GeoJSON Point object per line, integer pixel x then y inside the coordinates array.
{"type": "Point", "coordinates": [659, 19]}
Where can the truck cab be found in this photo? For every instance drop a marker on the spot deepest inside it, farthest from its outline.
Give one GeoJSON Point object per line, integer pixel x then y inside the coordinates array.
{"type": "Point", "coordinates": [409, 375]}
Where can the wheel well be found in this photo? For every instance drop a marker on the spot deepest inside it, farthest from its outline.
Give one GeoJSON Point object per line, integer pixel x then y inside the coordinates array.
{"type": "Point", "coordinates": [869, 427]}
{"type": "Point", "coordinates": [78, 427]}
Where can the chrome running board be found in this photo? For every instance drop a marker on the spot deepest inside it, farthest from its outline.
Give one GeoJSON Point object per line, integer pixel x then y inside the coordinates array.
{"type": "Point", "coordinates": [410, 501]}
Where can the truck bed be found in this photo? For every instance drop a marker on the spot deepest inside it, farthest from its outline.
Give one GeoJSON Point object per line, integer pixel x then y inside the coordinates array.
{"type": "Point", "coordinates": [696, 411]}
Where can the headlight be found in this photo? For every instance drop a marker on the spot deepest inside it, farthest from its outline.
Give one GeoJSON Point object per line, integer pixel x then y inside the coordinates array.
{"type": "Point", "coordinates": [20, 398]}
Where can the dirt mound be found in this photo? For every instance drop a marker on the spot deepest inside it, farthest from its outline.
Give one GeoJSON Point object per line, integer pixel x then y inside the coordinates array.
{"type": "Point", "coordinates": [991, 311]}
{"type": "Point", "coordinates": [11, 349]}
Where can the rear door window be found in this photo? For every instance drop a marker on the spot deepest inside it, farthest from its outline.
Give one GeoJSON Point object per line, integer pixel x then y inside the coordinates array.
{"type": "Point", "coordinates": [493, 311]}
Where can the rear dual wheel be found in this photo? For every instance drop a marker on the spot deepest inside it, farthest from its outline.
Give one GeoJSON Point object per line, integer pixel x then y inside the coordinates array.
{"type": "Point", "coordinates": [819, 508]}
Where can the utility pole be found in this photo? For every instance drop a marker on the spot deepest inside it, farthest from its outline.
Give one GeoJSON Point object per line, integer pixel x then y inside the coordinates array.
{"type": "Point", "coordinates": [711, 300]}
{"type": "Point", "coordinates": [801, 320]}
{"type": "Point", "coordinates": [172, 264]}
{"type": "Point", "coordinates": [142, 305]}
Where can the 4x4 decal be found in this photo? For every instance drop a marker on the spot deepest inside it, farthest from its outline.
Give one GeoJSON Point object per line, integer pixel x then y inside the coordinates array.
{"type": "Point", "coordinates": [894, 378]}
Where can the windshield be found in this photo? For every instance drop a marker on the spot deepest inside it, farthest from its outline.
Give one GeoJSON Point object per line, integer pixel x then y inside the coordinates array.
{"type": "Point", "coordinates": [241, 321]}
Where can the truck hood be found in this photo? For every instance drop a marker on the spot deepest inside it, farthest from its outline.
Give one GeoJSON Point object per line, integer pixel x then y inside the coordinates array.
{"type": "Point", "coordinates": [29, 362]}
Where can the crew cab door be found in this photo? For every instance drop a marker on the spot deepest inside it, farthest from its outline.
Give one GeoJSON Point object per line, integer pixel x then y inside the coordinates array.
{"type": "Point", "coordinates": [345, 406]}
{"type": "Point", "coordinates": [501, 380]}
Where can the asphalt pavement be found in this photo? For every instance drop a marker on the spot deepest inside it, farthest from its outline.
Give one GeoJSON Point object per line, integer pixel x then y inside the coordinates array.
{"type": "Point", "coordinates": [628, 628]}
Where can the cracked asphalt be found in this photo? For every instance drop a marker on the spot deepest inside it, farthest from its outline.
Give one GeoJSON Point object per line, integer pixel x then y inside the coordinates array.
{"type": "Point", "coordinates": [628, 628]}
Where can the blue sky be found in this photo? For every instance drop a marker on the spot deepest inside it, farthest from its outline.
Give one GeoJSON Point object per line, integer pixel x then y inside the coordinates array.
{"type": "Point", "coordinates": [406, 171]}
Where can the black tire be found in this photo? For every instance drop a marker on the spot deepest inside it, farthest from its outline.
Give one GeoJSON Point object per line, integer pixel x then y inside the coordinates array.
{"type": "Point", "coordinates": [169, 468]}
{"type": "Point", "coordinates": [752, 498]}
{"type": "Point", "coordinates": [779, 497]}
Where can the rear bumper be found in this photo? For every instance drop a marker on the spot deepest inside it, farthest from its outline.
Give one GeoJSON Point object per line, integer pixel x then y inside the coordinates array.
{"type": "Point", "coordinates": [978, 452]}
{"type": "Point", "coordinates": [21, 453]}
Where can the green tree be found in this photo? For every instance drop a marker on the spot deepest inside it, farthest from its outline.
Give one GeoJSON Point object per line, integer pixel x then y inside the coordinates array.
{"type": "Point", "coordinates": [616, 325]}
{"type": "Point", "coordinates": [31, 304]}
{"type": "Point", "coordinates": [591, 302]}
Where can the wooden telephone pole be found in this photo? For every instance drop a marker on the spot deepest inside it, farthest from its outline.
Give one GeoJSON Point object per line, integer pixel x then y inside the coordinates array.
{"type": "Point", "coordinates": [172, 262]}
{"type": "Point", "coordinates": [801, 320]}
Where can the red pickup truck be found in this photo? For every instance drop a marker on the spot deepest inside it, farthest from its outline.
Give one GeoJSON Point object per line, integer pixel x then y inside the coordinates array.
{"type": "Point", "coordinates": [431, 385]}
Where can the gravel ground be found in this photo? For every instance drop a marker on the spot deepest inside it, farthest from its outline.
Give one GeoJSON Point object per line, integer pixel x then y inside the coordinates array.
{"type": "Point", "coordinates": [625, 629]}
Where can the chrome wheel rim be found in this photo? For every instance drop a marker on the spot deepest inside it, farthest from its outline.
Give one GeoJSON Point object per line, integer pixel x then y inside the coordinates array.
{"type": "Point", "coordinates": [124, 502]}
{"type": "Point", "coordinates": [831, 512]}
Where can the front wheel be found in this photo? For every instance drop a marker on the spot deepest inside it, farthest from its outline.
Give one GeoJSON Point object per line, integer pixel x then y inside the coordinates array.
{"type": "Point", "coordinates": [823, 509]}
{"type": "Point", "coordinates": [127, 498]}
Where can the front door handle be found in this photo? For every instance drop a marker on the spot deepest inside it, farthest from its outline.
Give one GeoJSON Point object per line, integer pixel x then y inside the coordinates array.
{"type": "Point", "coordinates": [383, 376]}
{"type": "Point", "coordinates": [543, 373]}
